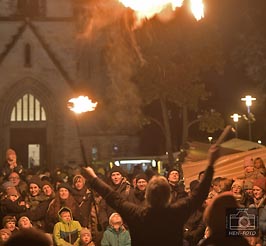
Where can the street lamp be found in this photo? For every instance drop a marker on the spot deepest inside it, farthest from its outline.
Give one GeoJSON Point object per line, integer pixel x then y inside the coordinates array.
{"type": "Point", "coordinates": [81, 105]}
{"type": "Point", "coordinates": [248, 99]}
{"type": "Point", "coordinates": [235, 118]}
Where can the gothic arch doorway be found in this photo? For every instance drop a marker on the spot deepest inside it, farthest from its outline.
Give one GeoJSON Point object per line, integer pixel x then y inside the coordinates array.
{"type": "Point", "coordinates": [28, 131]}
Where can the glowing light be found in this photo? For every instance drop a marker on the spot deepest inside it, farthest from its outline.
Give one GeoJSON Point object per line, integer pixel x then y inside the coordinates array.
{"type": "Point", "coordinates": [235, 117]}
{"type": "Point", "coordinates": [248, 100]}
{"type": "Point", "coordinates": [197, 8]}
{"type": "Point", "coordinates": [146, 9]}
{"type": "Point", "coordinates": [81, 104]}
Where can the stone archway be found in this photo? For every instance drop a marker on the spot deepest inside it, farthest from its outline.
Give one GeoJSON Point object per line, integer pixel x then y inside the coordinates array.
{"type": "Point", "coordinates": [22, 127]}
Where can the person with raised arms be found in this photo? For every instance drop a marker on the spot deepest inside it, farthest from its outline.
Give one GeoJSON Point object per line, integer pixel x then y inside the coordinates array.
{"type": "Point", "coordinates": [159, 222]}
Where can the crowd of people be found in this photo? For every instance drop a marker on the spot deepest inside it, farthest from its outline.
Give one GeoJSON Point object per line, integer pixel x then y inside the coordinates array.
{"type": "Point", "coordinates": [86, 207]}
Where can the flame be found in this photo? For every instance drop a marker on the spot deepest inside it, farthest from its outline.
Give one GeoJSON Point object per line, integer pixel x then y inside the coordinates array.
{"type": "Point", "coordinates": [197, 8]}
{"type": "Point", "coordinates": [147, 8]}
{"type": "Point", "coordinates": [81, 104]}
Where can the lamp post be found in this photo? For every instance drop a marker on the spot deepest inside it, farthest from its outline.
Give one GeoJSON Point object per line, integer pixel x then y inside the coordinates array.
{"type": "Point", "coordinates": [248, 99]}
{"type": "Point", "coordinates": [81, 105]}
{"type": "Point", "coordinates": [235, 118]}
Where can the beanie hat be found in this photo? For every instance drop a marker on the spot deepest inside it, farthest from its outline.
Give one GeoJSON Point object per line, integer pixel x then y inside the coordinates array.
{"type": "Point", "coordinates": [171, 170]}
{"type": "Point", "coordinates": [9, 218]}
{"type": "Point", "coordinates": [248, 162]}
{"type": "Point", "coordinates": [77, 177]}
{"type": "Point", "coordinates": [261, 182]}
{"type": "Point", "coordinates": [85, 231]}
{"type": "Point", "coordinates": [12, 191]}
{"type": "Point", "coordinates": [112, 216]}
{"type": "Point", "coordinates": [7, 184]}
{"type": "Point", "coordinates": [4, 230]}
{"type": "Point", "coordinates": [238, 183]}
{"type": "Point", "coordinates": [23, 218]}
{"type": "Point", "coordinates": [142, 176]}
{"type": "Point", "coordinates": [117, 169]}
{"type": "Point", "coordinates": [248, 185]}
{"type": "Point", "coordinates": [193, 184]}
{"type": "Point", "coordinates": [35, 180]}
{"type": "Point", "coordinates": [64, 185]}
{"type": "Point", "coordinates": [45, 182]}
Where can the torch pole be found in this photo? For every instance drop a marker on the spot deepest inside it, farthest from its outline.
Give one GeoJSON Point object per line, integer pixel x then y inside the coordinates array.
{"type": "Point", "coordinates": [82, 148]}
{"type": "Point", "coordinates": [99, 226]}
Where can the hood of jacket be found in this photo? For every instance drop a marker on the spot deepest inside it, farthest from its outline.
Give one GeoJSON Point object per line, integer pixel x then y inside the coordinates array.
{"type": "Point", "coordinates": [62, 210]}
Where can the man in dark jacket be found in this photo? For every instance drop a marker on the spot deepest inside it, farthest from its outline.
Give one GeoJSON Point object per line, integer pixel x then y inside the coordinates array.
{"type": "Point", "coordinates": [158, 223]}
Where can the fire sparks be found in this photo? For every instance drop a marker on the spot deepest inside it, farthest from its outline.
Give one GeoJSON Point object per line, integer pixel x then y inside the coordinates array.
{"type": "Point", "coordinates": [147, 8]}
{"type": "Point", "coordinates": [81, 104]}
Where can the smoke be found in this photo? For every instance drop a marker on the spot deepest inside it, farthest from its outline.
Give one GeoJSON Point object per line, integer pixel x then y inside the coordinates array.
{"type": "Point", "coordinates": [108, 58]}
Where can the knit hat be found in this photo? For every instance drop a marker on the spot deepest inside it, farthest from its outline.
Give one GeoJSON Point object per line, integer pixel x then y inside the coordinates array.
{"type": "Point", "coordinates": [171, 170]}
{"type": "Point", "coordinates": [117, 169]}
{"type": "Point", "coordinates": [12, 191]}
{"type": "Point", "coordinates": [248, 162]}
{"type": "Point", "coordinates": [7, 184]}
{"type": "Point", "coordinates": [45, 182]}
{"type": "Point", "coordinates": [248, 185]}
{"type": "Point", "coordinates": [35, 180]}
{"type": "Point", "coordinates": [64, 185]}
{"type": "Point", "coordinates": [142, 176]}
{"type": "Point", "coordinates": [238, 183]}
{"type": "Point", "coordinates": [9, 218]}
{"type": "Point", "coordinates": [85, 231]}
{"type": "Point", "coordinates": [112, 216]}
{"type": "Point", "coordinates": [77, 177]}
{"type": "Point", "coordinates": [261, 182]}
{"type": "Point", "coordinates": [23, 218]}
{"type": "Point", "coordinates": [4, 230]}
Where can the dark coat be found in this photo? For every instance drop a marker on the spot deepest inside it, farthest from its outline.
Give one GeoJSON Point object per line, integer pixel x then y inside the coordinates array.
{"type": "Point", "coordinates": [8, 207]}
{"type": "Point", "coordinates": [137, 196]}
{"type": "Point", "coordinates": [155, 226]}
{"type": "Point", "coordinates": [84, 200]}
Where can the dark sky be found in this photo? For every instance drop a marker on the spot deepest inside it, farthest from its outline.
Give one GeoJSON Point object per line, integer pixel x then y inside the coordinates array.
{"type": "Point", "coordinates": [229, 87]}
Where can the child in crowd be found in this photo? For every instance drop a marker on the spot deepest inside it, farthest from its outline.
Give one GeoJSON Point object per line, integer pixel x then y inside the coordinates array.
{"type": "Point", "coordinates": [9, 222]}
{"type": "Point", "coordinates": [86, 238]}
{"type": "Point", "coordinates": [4, 235]}
{"type": "Point", "coordinates": [67, 231]}
{"type": "Point", "coordinates": [116, 234]}
{"type": "Point", "coordinates": [24, 223]}
{"type": "Point", "coordinates": [13, 203]}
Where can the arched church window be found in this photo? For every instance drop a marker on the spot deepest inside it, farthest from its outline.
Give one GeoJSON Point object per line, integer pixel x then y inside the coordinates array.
{"type": "Point", "coordinates": [28, 108]}
{"type": "Point", "coordinates": [27, 55]}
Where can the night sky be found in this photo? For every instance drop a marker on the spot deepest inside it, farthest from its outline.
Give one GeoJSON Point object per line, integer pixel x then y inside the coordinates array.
{"type": "Point", "coordinates": [228, 87]}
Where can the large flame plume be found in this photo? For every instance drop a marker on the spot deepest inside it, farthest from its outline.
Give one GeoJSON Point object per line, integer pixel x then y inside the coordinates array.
{"type": "Point", "coordinates": [146, 9]}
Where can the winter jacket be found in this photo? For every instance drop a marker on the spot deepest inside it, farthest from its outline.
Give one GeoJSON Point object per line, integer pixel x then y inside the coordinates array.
{"type": "Point", "coordinates": [155, 226]}
{"type": "Point", "coordinates": [66, 234]}
{"type": "Point", "coordinates": [111, 237]}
